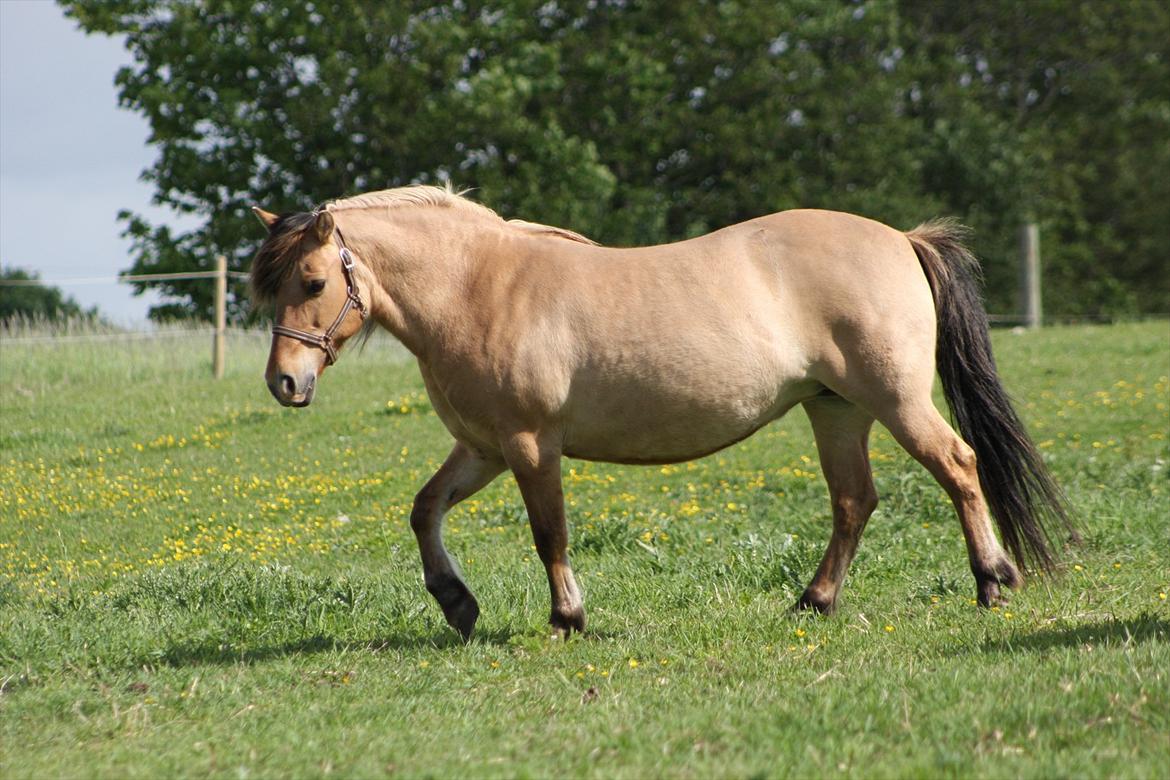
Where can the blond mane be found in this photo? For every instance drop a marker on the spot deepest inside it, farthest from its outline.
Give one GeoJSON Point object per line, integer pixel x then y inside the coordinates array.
{"type": "Point", "coordinates": [427, 195]}
{"type": "Point", "coordinates": [411, 195]}
{"type": "Point", "coordinates": [274, 260]}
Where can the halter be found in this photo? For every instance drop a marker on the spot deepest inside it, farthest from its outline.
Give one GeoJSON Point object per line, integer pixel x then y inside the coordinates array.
{"type": "Point", "coordinates": [352, 299]}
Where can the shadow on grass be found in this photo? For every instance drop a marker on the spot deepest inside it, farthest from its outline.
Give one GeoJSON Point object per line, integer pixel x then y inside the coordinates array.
{"type": "Point", "coordinates": [230, 653]}
{"type": "Point", "coordinates": [227, 653]}
{"type": "Point", "coordinates": [1112, 632]}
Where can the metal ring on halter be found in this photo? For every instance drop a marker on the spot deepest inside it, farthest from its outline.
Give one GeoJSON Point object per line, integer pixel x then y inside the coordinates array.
{"type": "Point", "coordinates": [352, 299]}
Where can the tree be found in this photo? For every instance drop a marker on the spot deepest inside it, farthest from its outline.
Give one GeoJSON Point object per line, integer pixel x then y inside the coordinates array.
{"type": "Point", "coordinates": [35, 301]}
{"type": "Point", "coordinates": [1058, 111]}
{"type": "Point", "coordinates": [641, 122]}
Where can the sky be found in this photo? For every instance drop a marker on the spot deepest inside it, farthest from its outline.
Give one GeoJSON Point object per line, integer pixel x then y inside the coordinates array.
{"type": "Point", "coordinates": [70, 158]}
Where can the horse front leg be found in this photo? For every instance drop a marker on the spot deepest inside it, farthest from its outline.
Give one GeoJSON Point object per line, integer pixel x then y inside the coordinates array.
{"type": "Point", "coordinates": [842, 434]}
{"type": "Point", "coordinates": [463, 474]}
{"type": "Point", "coordinates": [536, 465]}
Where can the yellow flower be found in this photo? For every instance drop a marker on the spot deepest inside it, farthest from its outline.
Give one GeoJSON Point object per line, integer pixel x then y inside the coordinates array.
{"type": "Point", "coordinates": [633, 663]}
{"type": "Point", "coordinates": [889, 629]}
{"type": "Point", "coordinates": [799, 632]}
{"type": "Point", "coordinates": [423, 664]}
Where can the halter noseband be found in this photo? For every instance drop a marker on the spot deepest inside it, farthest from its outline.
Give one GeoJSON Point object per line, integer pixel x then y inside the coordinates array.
{"type": "Point", "coordinates": [352, 299]}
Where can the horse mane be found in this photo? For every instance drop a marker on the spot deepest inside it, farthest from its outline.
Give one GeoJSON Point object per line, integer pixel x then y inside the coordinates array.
{"type": "Point", "coordinates": [272, 264]}
{"type": "Point", "coordinates": [412, 195]}
{"type": "Point", "coordinates": [426, 195]}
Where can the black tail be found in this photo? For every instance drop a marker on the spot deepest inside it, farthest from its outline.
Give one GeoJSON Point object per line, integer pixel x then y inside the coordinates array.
{"type": "Point", "coordinates": [1028, 506]}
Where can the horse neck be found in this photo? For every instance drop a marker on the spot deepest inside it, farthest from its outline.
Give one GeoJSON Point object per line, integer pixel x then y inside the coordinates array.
{"type": "Point", "coordinates": [418, 257]}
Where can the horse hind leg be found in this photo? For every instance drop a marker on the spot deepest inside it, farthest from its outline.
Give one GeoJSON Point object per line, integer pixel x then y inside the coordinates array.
{"type": "Point", "coordinates": [841, 430]}
{"type": "Point", "coordinates": [922, 431]}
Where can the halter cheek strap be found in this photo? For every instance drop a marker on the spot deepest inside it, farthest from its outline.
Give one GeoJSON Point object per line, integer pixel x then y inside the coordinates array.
{"type": "Point", "coordinates": [352, 300]}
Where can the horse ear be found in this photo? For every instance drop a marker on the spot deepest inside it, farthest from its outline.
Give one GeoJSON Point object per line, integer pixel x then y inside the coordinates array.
{"type": "Point", "coordinates": [324, 226]}
{"type": "Point", "coordinates": [267, 217]}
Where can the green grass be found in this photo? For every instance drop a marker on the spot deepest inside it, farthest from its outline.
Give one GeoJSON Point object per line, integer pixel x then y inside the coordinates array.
{"type": "Point", "coordinates": [195, 581]}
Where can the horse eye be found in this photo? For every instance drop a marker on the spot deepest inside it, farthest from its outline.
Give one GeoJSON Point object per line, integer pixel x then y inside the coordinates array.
{"type": "Point", "coordinates": [315, 286]}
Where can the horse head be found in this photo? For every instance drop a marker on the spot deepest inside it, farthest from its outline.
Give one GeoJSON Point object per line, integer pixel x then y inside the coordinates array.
{"type": "Point", "coordinates": [305, 270]}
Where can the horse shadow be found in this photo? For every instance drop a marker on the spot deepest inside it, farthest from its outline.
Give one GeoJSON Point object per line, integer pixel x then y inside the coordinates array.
{"type": "Point", "coordinates": [226, 653]}
{"type": "Point", "coordinates": [1111, 632]}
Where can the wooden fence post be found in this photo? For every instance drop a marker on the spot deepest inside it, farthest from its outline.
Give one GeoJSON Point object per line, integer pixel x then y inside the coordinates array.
{"type": "Point", "coordinates": [217, 354]}
{"type": "Point", "coordinates": [1030, 298]}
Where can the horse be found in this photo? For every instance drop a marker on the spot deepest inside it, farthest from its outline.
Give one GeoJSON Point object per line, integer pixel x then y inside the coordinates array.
{"type": "Point", "coordinates": [535, 343]}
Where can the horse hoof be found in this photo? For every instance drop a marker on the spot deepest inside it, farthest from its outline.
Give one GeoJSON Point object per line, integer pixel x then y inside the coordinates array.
{"type": "Point", "coordinates": [566, 622]}
{"type": "Point", "coordinates": [459, 607]}
{"type": "Point", "coordinates": [812, 601]}
{"type": "Point", "coordinates": [988, 578]}
{"type": "Point", "coordinates": [989, 595]}
{"type": "Point", "coordinates": [462, 616]}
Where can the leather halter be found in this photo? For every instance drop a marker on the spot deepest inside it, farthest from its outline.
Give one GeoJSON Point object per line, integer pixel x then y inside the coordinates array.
{"type": "Point", "coordinates": [352, 299]}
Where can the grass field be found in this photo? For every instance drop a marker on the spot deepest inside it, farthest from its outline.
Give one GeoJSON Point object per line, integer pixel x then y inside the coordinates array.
{"type": "Point", "coordinates": [197, 582]}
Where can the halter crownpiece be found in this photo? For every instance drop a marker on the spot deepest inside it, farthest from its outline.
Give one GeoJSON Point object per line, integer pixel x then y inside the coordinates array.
{"type": "Point", "coordinates": [352, 299]}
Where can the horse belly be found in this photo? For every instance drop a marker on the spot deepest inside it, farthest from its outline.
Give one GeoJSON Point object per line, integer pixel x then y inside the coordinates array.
{"type": "Point", "coordinates": [630, 421]}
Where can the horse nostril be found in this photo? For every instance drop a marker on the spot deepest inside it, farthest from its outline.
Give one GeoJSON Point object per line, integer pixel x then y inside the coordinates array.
{"type": "Point", "coordinates": [288, 385]}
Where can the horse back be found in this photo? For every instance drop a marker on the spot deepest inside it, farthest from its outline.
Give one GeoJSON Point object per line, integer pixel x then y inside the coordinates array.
{"type": "Point", "coordinates": [662, 353]}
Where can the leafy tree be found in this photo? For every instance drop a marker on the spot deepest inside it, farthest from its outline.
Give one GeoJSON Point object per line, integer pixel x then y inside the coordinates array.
{"type": "Point", "coordinates": [640, 122]}
{"type": "Point", "coordinates": [1058, 111]}
{"type": "Point", "coordinates": [35, 301]}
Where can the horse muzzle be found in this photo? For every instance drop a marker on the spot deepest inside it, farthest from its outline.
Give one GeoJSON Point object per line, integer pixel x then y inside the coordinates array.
{"type": "Point", "coordinates": [291, 391]}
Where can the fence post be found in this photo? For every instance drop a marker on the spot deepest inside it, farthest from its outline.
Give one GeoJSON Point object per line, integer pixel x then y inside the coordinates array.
{"type": "Point", "coordinates": [1030, 300]}
{"type": "Point", "coordinates": [217, 354]}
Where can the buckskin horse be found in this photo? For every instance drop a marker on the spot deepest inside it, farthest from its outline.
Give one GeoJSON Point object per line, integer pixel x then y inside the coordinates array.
{"type": "Point", "coordinates": [536, 343]}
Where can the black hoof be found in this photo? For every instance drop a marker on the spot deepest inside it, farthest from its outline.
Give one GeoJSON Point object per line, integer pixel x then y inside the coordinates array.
{"type": "Point", "coordinates": [810, 600]}
{"type": "Point", "coordinates": [565, 622]}
{"type": "Point", "coordinates": [989, 577]}
{"type": "Point", "coordinates": [462, 616]}
{"type": "Point", "coordinates": [459, 607]}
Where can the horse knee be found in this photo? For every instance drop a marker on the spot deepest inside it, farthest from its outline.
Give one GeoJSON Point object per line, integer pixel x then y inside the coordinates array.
{"type": "Point", "coordinates": [856, 506]}
{"type": "Point", "coordinates": [423, 511]}
{"type": "Point", "coordinates": [868, 502]}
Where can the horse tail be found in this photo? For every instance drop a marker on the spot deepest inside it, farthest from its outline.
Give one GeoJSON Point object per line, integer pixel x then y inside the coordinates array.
{"type": "Point", "coordinates": [1027, 504]}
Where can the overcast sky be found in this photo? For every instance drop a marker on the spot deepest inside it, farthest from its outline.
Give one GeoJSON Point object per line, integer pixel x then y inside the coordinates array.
{"type": "Point", "coordinates": [69, 157]}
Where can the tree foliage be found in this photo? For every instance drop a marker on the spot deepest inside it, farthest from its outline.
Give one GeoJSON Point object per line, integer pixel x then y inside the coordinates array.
{"type": "Point", "coordinates": [35, 302]}
{"type": "Point", "coordinates": [642, 122]}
